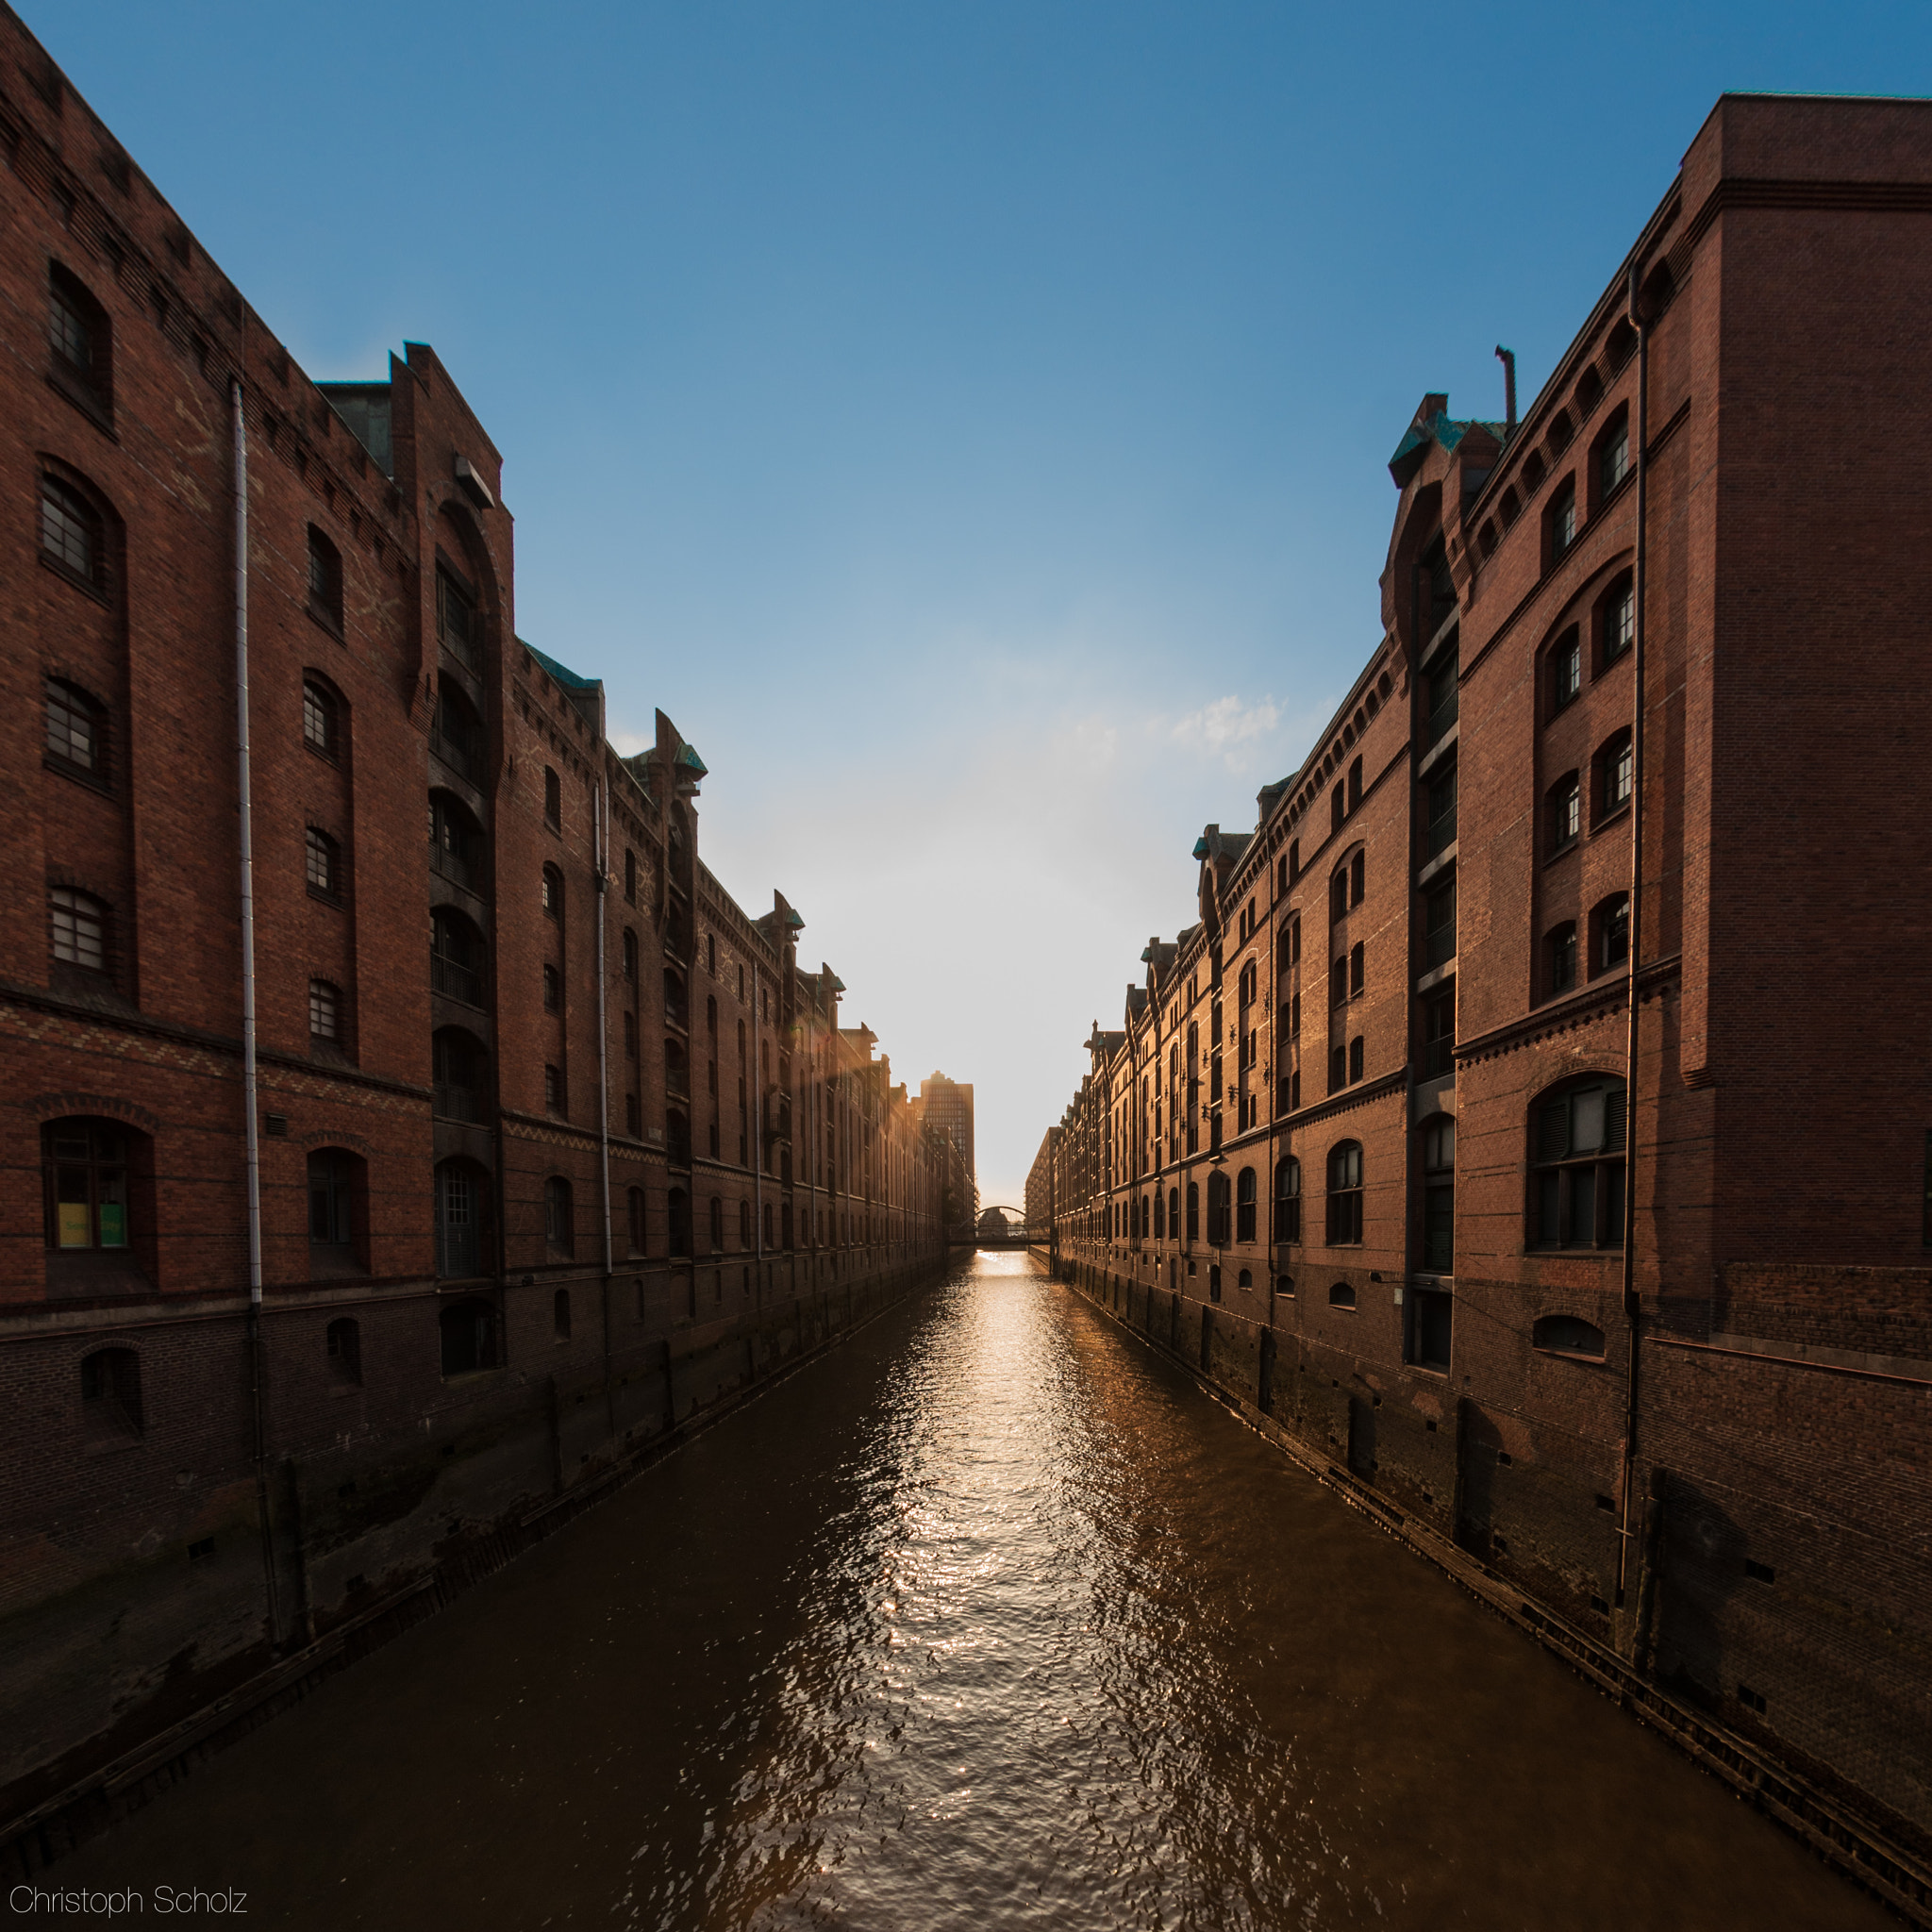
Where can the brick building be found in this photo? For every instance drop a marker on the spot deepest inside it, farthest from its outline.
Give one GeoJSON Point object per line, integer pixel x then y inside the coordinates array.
{"type": "Point", "coordinates": [1636, 1308]}
{"type": "Point", "coordinates": [945, 1108]}
{"type": "Point", "coordinates": [557, 1146]}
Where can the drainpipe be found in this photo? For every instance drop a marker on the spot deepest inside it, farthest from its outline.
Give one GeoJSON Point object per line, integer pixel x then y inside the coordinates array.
{"type": "Point", "coordinates": [1627, 1527]}
{"type": "Point", "coordinates": [250, 1104]}
{"type": "Point", "coordinates": [600, 852]}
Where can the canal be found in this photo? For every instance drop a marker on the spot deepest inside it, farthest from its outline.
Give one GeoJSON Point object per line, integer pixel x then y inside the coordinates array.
{"type": "Point", "coordinates": [990, 1618]}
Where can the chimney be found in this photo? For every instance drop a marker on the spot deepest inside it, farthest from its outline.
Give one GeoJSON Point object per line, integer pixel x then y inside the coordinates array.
{"type": "Point", "coordinates": [1507, 359]}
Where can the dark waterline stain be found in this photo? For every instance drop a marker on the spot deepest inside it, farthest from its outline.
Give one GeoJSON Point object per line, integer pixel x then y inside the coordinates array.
{"type": "Point", "coordinates": [989, 1619]}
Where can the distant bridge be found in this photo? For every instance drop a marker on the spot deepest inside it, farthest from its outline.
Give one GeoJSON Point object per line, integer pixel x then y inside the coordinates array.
{"type": "Point", "coordinates": [1015, 1231]}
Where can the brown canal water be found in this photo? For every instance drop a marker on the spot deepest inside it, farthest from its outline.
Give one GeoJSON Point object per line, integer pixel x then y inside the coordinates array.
{"type": "Point", "coordinates": [990, 1618]}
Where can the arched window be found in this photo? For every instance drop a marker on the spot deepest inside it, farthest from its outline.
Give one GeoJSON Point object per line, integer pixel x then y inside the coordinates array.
{"type": "Point", "coordinates": [455, 957]}
{"type": "Point", "coordinates": [676, 1072]}
{"type": "Point", "coordinates": [1246, 1278]}
{"type": "Point", "coordinates": [1358, 878]}
{"type": "Point", "coordinates": [76, 732]}
{"type": "Point", "coordinates": [1337, 895]}
{"type": "Point", "coordinates": [325, 1013]}
{"type": "Point", "coordinates": [634, 1204]}
{"type": "Point", "coordinates": [1248, 979]}
{"type": "Point", "coordinates": [1559, 958]}
{"type": "Point", "coordinates": [1357, 1057]}
{"type": "Point", "coordinates": [1159, 1215]}
{"type": "Point", "coordinates": [1340, 1294]}
{"type": "Point", "coordinates": [553, 893]}
{"type": "Point", "coordinates": [560, 1314]}
{"type": "Point", "coordinates": [469, 1335]}
{"type": "Point", "coordinates": [80, 930]}
{"type": "Point", "coordinates": [111, 1406]}
{"type": "Point", "coordinates": [325, 581]}
{"type": "Point", "coordinates": [1559, 521]}
{"type": "Point", "coordinates": [460, 1200]}
{"type": "Point", "coordinates": [1244, 1206]}
{"type": "Point", "coordinates": [85, 1177]}
{"type": "Point", "coordinates": [460, 1070]}
{"type": "Point", "coordinates": [1568, 1334]}
{"type": "Point", "coordinates": [559, 1218]}
{"type": "Point", "coordinates": [1612, 463]}
{"type": "Point", "coordinates": [1577, 1139]}
{"type": "Point", "coordinates": [717, 1225]}
{"type": "Point", "coordinates": [333, 1184]}
{"type": "Point", "coordinates": [744, 1224]}
{"type": "Point", "coordinates": [1562, 812]}
{"type": "Point", "coordinates": [676, 1011]}
{"type": "Point", "coordinates": [342, 1351]}
{"type": "Point", "coordinates": [1610, 934]}
{"type": "Point", "coordinates": [456, 735]}
{"type": "Point", "coordinates": [1565, 674]}
{"type": "Point", "coordinates": [72, 538]}
{"type": "Point", "coordinates": [456, 840]}
{"type": "Point", "coordinates": [553, 799]}
{"type": "Point", "coordinates": [82, 340]}
{"type": "Point", "coordinates": [1344, 1193]}
{"type": "Point", "coordinates": [1288, 1199]}
{"type": "Point", "coordinates": [1173, 1212]}
{"type": "Point", "coordinates": [1438, 1195]}
{"type": "Point", "coordinates": [320, 718]}
{"type": "Point", "coordinates": [325, 865]}
{"type": "Point", "coordinates": [1614, 775]}
{"type": "Point", "coordinates": [1616, 623]}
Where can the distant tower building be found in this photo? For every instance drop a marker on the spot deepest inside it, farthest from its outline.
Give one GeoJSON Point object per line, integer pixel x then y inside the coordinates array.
{"type": "Point", "coordinates": [946, 1108]}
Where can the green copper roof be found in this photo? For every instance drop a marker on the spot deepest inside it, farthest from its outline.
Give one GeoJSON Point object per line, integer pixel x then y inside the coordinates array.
{"type": "Point", "coordinates": [563, 673]}
{"type": "Point", "coordinates": [688, 757]}
{"type": "Point", "coordinates": [1201, 848]}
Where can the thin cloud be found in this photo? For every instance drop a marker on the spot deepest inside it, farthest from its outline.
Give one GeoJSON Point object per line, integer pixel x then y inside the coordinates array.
{"type": "Point", "coordinates": [1228, 729]}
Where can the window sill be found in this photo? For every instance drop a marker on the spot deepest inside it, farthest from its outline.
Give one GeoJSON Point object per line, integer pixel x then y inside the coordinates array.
{"type": "Point", "coordinates": [1610, 817]}
{"type": "Point", "coordinates": [72, 389]}
{"type": "Point", "coordinates": [322, 621]}
{"type": "Point", "coordinates": [335, 899]}
{"type": "Point", "coordinates": [1569, 1355]}
{"type": "Point", "coordinates": [85, 585]}
{"type": "Point", "coordinates": [1563, 851]}
{"type": "Point", "coordinates": [1441, 752]}
{"type": "Point", "coordinates": [1436, 867]}
{"type": "Point", "coordinates": [78, 774]}
{"type": "Point", "coordinates": [1436, 974]}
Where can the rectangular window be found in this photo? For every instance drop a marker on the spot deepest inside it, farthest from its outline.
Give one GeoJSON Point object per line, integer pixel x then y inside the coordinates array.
{"type": "Point", "coordinates": [1439, 1033]}
{"type": "Point", "coordinates": [455, 620]}
{"type": "Point", "coordinates": [1442, 698]}
{"type": "Point", "coordinates": [1442, 813]}
{"type": "Point", "coordinates": [1620, 767]}
{"type": "Point", "coordinates": [553, 1090]}
{"type": "Point", "coordinates": [1431, 1320]}
{"type": "Point", "coordinates": [324, 1010]}
{"type": "Point", "coordinates": [1439, 924]}
{"type": "Point", "coordinates": [1355, 1058]}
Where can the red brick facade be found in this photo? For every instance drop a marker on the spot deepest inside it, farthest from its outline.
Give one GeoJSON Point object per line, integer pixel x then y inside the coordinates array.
{"type": "Point", "coordinates": [1403, 1016]}
{"type": "Point", "coordinates": [525, 1205]}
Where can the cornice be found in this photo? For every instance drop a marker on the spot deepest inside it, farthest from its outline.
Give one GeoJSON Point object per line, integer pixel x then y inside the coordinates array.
{"type": "Point", "coordinates": [1566, 1016]}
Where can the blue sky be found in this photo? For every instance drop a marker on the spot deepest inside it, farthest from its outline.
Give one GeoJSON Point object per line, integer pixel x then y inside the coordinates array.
{"type": "Point", "coordinates": [968, 421]}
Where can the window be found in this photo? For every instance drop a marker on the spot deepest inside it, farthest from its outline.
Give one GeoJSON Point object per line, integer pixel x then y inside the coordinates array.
{"type": "Point", "coordinates": [70, 535]}
{"type": "Point", "coordinates": [1336, 810]}
{"type": "Point", "coordinates": [1358, 878]}
{"type": "Point", "coordinates": [631, 956]}
{"type": "Point", "coordinates": [553, 990]}
{"type": "Point", "coordinates": [1355, 1058]}
{"type": "Point", "coordinates": [1294, 942]}
{"type": "Point", "coordinates": [469, 1336]}
{"type": "Point", "coordinates": [457, 734]}
{"type": "Point", "coordinates": [1567, 1335]}
{"type": "Point", "coordinates": [1355, 784]}
{"type": "Point", "coordinates": [1562, 521]}
{"type": "Point", "coordinates": [110, 1409]}
{"type": "Point", "coordinates": [324, 1011]}
{"type": "Point", "coordinates": [1439, 1033]}
{"type": "Point", "coordinates": [560, 1314]}
{"type": "Point", "coordinates": [1562, 812]}
{"type": "Point", "coordinates": [1340, 1294]}
{"type": "Point", "coordinates": [1441, 699]}
{"type": "Point", "coordinates": [1193, 1212]}
{"type": "Point", "coordinates": [1610, 934]}
{"type": "Point", "coordinates": [79, 928]}
{"type": "Point", "coordinates": [1338, 980]}
{"type": "Point", "coordinates": [1431, 1320]}
{"type": "Point", "coordinates": [560, 1222]}
{"type": "Point", "coordinates": [460, 1071]}
{"type": "Point", "coordinates": [1338, 1067]}
{"type": "Point", "coordinates": [1159, 1215]}
{"type": "Point", "coordinates": [1288, 1200]}
{"type": "Point", "coordinates": [634, 1225]}
{"type": "Point", "coordinates": [456, 841]}
{"type": "Point", "coordinates": [744, 1224]}
{"type": "Point", "coordinates": [1578, 1178]}
{"type": "Point", "coordinates": [459, 1222]}
{"type": "Point", "coordinates": [1559, 958]}
{"type": "Point", "coordinates": [1439, 833]}
{"type": "Point", "coordinates": [1616, 771]}
{"type": "Point", "coordinates": [81, 338]}
{"type": "Point", "coordinates": [344, 1352]}
{"type": "Point", "coordinates": [1566, 670]}
{"type": "Point", "coordinates": [1357, 969]}
{"type": "Point", "coordinates": [1617, 627]}
{"type": "Point", "coordinates": [1345, 1194]}
{"type": "Point", "coordinates": [553, 1090]}
{"type": "Point", "coordinates": [1217, 1211]}
{"type": "Point", "coordinates": [331, 1187]}
{"type": "Point", "coordinates": [630, 1034]}
{"type": "Point", "coordinates": [455, 957]}
{"type": "Point", "coordinates": [717, 1225]}
{"type": "Point", "coordinates": [553, 799]}
{"type": "Point", "coordinates": [1614, 455]}
{"type": "Point", "coordinates": [552, 893]}
{"type": "Point", "coordinates": [77, 740]}
{"type": "Point", "coordinates": [1438, 923]}
{"type": "Point", "coordinates": [318, 718]}
{"type": "Point", "coordinates": [1439, 1196]}
{"type": "Point", "coordinates": [630, 876]}
{"type": "Point", "coordinates": [325, 580]}
{"type": "Point", "coordinates": [457, 628]}
{"type": "Point", "coordinates": [84, 1165]}
{"type": "Point", "coordinates": [325, 861]}
{"type": "Point", "coordinates": [1337, 895]}
{"type": "Point", "coordinates": [1244, 1206]}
